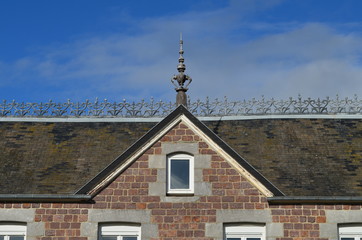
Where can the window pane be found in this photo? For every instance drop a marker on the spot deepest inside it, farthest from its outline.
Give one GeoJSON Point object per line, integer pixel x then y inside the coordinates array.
{"type": "Point", "coordinates": [1, 237]}
{"type": "Point", "coordinates": [233, 239]}
{"type": "Point", "coordinates": [14, 237]}
{"type": "Point", "coordinates": [344, 238]}
{"type": "Point", "coordinates": [129, 238]}
{"type": "Point", "coordinates": [253, 238]}
{"type": "Point", "coordinates": [180, 174]}
{"type": "Point", "coordinates": [109, 237]}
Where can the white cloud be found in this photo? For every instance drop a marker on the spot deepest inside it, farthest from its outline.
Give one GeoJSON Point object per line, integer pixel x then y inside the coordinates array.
{"type": "Point", "coordinates": [312, 60]}
{"type": "Point", "coordinates": [280, 60]}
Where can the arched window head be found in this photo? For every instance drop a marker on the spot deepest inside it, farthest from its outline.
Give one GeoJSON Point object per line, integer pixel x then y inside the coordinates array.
{"type": "Point", "coordinates": [350, 232]}
{"type": "Point", "coordinates": [180, 174]}
{"type": "Point", "coordinates": [119, 231]}
{"type": "Point", "coordinates": [12, 231]}
{"type": "Point", "coordinates": [244, 231]}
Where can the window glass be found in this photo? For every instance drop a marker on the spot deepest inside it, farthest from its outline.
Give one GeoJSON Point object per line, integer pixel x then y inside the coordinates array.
{"type": "Point", "coordinates": [130, 238]}
{"type": "Point", "coordinates": [16, 237]}
{"type": "Point", "coordinates": [180, 174]}
{"type": "Point", "coordinates": [109, 237]}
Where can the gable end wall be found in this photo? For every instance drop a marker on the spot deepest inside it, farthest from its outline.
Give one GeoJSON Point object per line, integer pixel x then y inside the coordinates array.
{"type": "Point", "coordinates": [220, 191]}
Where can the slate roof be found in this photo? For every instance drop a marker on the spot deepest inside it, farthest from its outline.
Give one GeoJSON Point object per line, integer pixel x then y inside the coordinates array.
{"type": "Point", "coordinates": [301, 157]}
{"type": "Point", "coordinates": [60, 157]}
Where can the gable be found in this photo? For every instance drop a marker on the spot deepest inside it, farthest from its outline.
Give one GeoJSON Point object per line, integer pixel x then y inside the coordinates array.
{"type": "Point", "coordinates": [218, 184]}
{"type": "Point", "coordinates": [180, 127]}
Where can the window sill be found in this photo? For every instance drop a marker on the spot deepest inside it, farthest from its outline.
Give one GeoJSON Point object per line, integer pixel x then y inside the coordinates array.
{"type": "Point", "coordinates": [178, 194]}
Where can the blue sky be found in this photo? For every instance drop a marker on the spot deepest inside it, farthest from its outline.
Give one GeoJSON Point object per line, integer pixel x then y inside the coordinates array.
{"type": "Point", "coordinates": [83, 49]}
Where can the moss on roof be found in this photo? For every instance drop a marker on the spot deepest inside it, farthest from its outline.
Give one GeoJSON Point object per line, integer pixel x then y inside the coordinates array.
{"type": "Point", "coordinates": [60, 157]}
{"type": "Point", "coordinates": [302, 157]}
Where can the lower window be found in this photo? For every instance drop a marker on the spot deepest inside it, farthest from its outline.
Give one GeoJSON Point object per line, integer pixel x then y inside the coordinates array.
{"type": "Point", "coordinates": [350, 232]}
{"type": "Point", "coordinates": [119, 232]}
{"type": "Point", "coordinates": [12, 231]}
{"type": "Point", "coordinates": [244, 232]}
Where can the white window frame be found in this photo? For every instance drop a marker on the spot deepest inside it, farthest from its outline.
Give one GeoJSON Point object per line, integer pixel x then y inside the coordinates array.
{"type": "Point", "coordinates": [350, 231]}
{"type": "Point", "coordinates": [12, 229]}
{"type": "Point", "coordinates": [120, 230]}
{"type": "Point", "coordinates": [244, 231]}
{"type": "Point", "coordinates": [176, 157]}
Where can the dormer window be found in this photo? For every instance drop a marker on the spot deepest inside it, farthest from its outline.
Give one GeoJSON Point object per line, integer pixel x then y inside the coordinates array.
{"type": "Point", "coordinates": [180, 174]}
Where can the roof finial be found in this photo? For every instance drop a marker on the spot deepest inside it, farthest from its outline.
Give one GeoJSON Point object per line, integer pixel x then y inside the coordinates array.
{"type": "Point", "coordinates": [181, 59]}
{"type": "Point", "coordinates": [181, 78]}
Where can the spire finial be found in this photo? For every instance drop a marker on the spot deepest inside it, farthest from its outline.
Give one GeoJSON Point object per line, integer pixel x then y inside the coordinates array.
{"type": "Point", "coordinates": [181, 66]}
{"type": "Point", "coordinates": [181, 78]}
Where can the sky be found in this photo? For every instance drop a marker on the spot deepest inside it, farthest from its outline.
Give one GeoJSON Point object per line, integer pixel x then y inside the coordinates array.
{"type": "Point", "coordinates": [242, 49]}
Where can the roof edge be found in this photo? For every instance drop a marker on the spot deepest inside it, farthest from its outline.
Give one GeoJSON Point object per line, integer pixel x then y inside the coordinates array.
{"type": "Point", "coordinates": [131, 150]}
{"type": "Point", "coordinates": [87, 119]}
{"type": "Point", "coordinates": [315, 200]}
{"type": "Point", "coordinates": [54, 198]}
{"type": "Point", "coordinates": [233, 154]}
